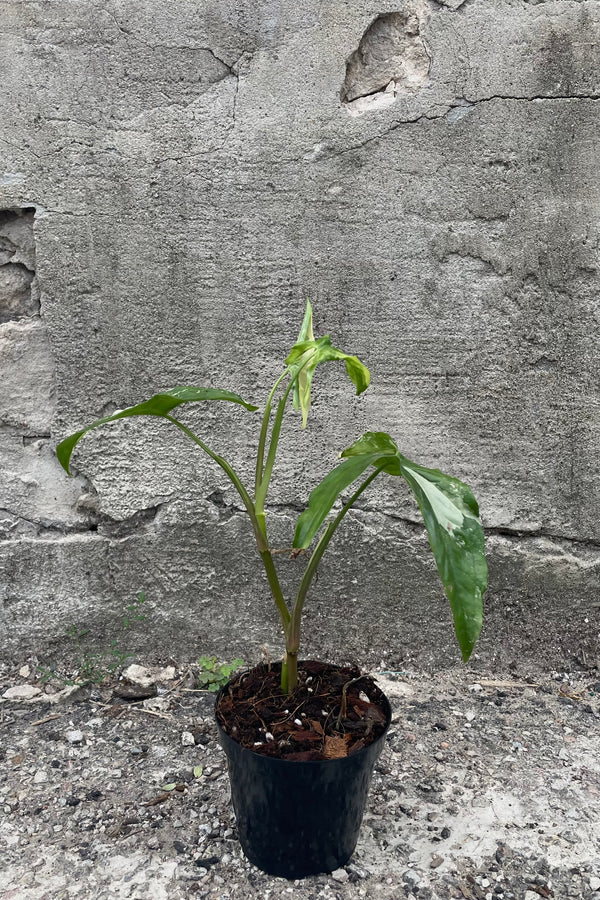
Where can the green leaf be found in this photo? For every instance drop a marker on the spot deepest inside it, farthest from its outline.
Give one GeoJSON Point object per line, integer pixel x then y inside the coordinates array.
{"type": "Point", "coordinates": [301, 391]}
{"type": "Point", "coordinates": [305, 356]}
{"type": "Point", "coordinates": [451, 517]}
{"type": "Point", "coordinates": [323, 497]}
{"type": "Point", "coordinates": [197, 771]}
{"type": "Point", "coordinates": [158, 405]}
{"type": "Point", "coordinates": [169, 787]}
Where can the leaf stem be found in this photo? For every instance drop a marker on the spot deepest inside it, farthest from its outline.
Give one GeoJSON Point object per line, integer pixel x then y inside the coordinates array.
{"type": "Point", "coordinates": [259, 528]}
{"type": "Point", "coordinates": [284, 613]}
{"type": "Point", "coordinates": [263, 487]}
{"type": "Point", "coordinates": [263, 432]}
{"type": "Point", "coordinates": [234, 478]}
{"type": "Point", "coordinates": [293, 631]}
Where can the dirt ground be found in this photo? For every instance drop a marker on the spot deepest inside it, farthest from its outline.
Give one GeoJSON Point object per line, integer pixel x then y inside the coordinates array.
{"type": "Point", "coordinates": [488, 788]}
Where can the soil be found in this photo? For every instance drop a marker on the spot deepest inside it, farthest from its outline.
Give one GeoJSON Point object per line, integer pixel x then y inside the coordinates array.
{"type": "Point", "coordinates": [488, 788]}
{"type": "Point", "coordinates": [333, 712]}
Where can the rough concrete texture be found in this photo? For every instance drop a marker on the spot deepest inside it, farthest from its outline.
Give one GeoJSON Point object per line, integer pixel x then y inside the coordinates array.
{"type": "Point", "coordinates": [195, 174]}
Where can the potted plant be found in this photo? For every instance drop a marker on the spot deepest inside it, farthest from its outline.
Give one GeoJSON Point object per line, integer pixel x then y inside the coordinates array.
{"type": "Point", "coordinates": [302, 739]}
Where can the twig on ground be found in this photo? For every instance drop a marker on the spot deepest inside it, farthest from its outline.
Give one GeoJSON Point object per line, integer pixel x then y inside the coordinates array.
{"type": "Point", "coordinates": [46, 719]}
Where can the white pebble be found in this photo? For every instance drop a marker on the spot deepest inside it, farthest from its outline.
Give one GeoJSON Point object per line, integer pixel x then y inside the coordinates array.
{"type": "Point", "coordinates": [75, 736]}
{"type": "Point", "coordinates": [21, 692]}
{"type": "Point", "coordinates": [340, 875]}
{"type": "Point", "coordinates": [187, 739]}
{"type": "Point", "coordinates": [40, 776]}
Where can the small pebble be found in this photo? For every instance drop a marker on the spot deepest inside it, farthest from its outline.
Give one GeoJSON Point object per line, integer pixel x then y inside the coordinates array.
{"type": "Point", "coordinates": [139, 675]}
{"type": "Point", "coordinates": [206, 862]}
{"type": "Point", "coordinates": [40, 776]}
{"type": "Point", "coordinates": [570, 836]}
{"type": "Point", "coordinates": [340, 875]}
{"type": "Point", "coordinates": [594, 883]}
{"type": "Point", "coordinates": [358, 873]}
{"type": "Point", "coordinates": [128, 691]}
{"type": "Point", "coordinates": [75, 736]}
{"type": "Point", "coordinates": [436, 860]}
{"type": "Point", "coordinates": [187, 739]}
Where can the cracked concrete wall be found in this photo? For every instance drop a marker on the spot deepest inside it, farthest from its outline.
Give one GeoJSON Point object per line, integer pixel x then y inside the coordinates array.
{"type": "Point", "coordinates": [190, 172]}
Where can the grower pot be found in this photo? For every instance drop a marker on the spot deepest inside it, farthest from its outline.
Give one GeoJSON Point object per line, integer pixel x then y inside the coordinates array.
{"type": "Point", "coordinates": [298, 818]}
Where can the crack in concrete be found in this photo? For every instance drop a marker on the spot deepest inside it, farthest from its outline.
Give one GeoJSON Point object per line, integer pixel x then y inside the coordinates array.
{"type": "Point", "coordinates": [459, 103]}
{"type": "Point", "coordinates": [521, 534]}
{"type": "Point", "coordinates": [105, 528]}
{"type": "Point", "coordinates": [99, 525]}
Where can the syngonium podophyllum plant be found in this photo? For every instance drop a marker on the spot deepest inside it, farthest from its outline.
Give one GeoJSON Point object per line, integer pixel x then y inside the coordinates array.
{"type": "Point", "coordinates": [448, 507]}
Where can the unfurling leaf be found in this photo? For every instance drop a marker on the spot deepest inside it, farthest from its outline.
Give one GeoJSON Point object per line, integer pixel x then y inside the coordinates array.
{"type": "Point", "coordinates": [305, 356]}
{"type": "Point", "coordinates": [451, 517]}
{"type": "Point", "coordinates": [158, 405]}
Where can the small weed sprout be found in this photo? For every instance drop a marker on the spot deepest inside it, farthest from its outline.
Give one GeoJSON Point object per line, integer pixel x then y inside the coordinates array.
{"type": "Point", "coordinates": [97, 667]}
{"type": "Point", "coordinates": [214, 675]}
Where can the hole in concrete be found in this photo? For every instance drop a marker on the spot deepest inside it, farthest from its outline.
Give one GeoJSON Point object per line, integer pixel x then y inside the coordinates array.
{"type": "Point", "coordinates": [19, 295]}
{"type": "Point", "coordinates": [391, 59]}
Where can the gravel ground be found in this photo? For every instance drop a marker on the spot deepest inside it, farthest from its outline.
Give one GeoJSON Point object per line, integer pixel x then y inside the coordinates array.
{"type": "Point", "coordinates": [486, 789]}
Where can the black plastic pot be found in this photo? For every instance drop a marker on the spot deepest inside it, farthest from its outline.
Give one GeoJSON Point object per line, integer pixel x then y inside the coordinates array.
{"type": "Point", "coordinates": [299, 818]}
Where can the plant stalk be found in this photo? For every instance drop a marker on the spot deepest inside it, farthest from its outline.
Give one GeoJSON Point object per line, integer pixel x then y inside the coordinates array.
{"type": "Point", "coordinates": [263, 433]}
{"type": "Point", "coordinates": [234, 478]}
{"type": "Point", "coordinates": [273, 580]}
{"type": "Point", "coordinates": [263, 486]}
{"type": "Point", "coordinates": [293, 631]}
{"type": "Point", "coordinates": [258, 523]}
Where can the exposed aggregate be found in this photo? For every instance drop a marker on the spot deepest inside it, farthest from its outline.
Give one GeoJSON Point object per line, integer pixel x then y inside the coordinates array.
{"type": "Point", "coordinates": [487, 790]}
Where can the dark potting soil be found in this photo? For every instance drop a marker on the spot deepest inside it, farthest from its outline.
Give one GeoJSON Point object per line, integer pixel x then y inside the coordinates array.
{"type": "Point", "coordinates": [334, 711]}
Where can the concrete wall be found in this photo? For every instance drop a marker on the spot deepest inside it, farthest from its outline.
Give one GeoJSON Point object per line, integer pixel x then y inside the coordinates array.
{"type": "Point", "coordinates": [175, 177]}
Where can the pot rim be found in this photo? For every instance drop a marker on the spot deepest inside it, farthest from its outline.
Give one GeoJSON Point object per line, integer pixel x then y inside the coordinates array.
{"type": "Point", "coordinates": [274, 760]}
